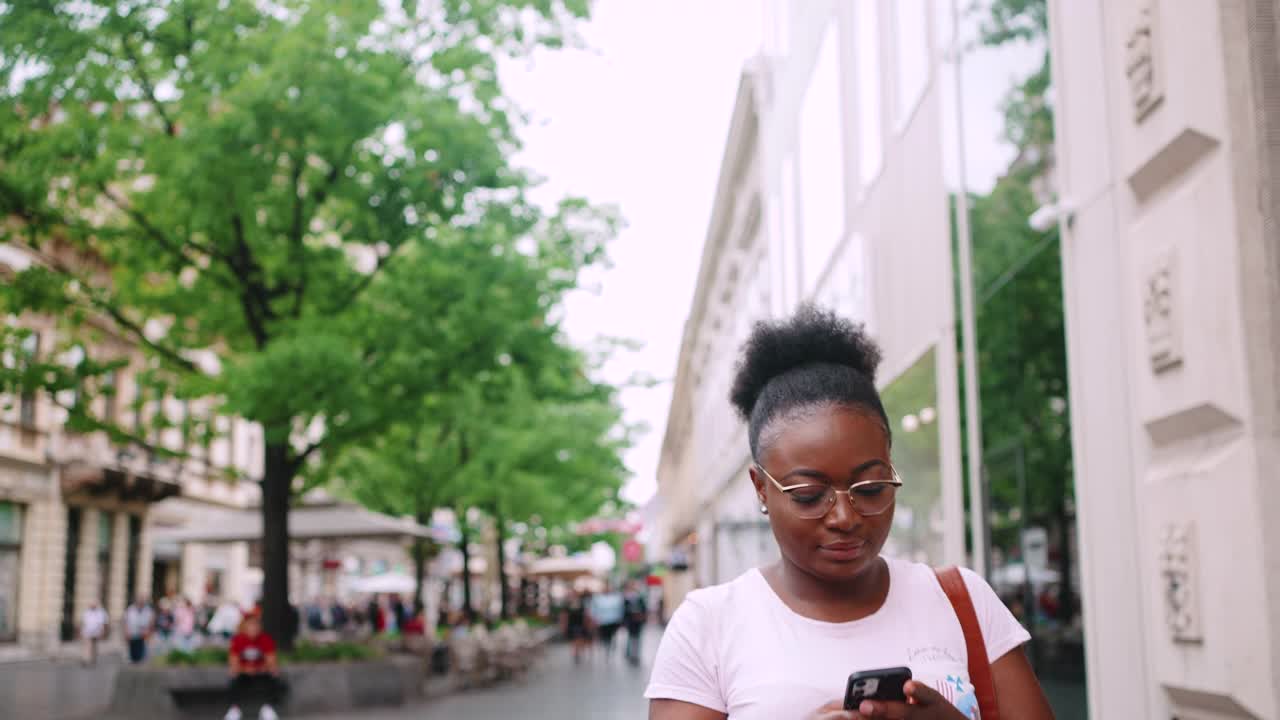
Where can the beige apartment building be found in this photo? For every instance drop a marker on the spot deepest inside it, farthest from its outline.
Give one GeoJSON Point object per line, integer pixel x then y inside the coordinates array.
{"type": "Point", "coordinates": [76, 511]}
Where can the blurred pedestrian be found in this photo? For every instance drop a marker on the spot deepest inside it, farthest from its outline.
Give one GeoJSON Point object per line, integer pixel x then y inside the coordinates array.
{"type": "Point", "coordinates": [292, 621]}
{"type": "Point", "coordinates": [338, 616]}
{"type": "Point", "coordinates": [376, 622]}
{"type": "Point", "coordinates": [164, 620]}
{"type": "Point", "coordinates": [635, 613]}
{"type": "Point", "coordinates": [93, 627]}
{"type": "Point", "coordinates": [315, 616]}
{"type": "Point", "coordinates": [184, 625]}
{"type": "Point", "coordinates": [255, 670]}
{"type": "Point", "coordinates": [607, 612]}
{"type": "Point", "coordinates": [225, 620]}
{"type": "Point", "coordinates": [139, 622]}
{"type": "Point", "coordinates": [390, 618]}
{"type": "Point", "coordinates": [574, 624]}
{"type": "Point", "coordinates": [399, 610]}
{"type": "Point", "coordinates": [204, 615]}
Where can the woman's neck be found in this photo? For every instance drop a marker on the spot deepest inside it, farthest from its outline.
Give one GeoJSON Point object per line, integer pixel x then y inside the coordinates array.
{"type": "Point", "coordinates": [823, 599]}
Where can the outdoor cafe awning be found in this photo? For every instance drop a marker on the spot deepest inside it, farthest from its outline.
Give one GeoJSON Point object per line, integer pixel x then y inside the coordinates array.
{"type": "Point", "coordinates": [339, 521]}
{"type": "Point", "coordinates": [566, 567]}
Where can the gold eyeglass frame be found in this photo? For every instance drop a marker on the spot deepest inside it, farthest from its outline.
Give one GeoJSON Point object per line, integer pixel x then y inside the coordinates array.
{"type": "Point", "coordinates": [896, 482]}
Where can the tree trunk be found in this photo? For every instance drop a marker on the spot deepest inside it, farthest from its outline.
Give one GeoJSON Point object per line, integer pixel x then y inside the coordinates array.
{"type": "Point", "coordinates": [468, 609]}
{"type": "Point", "coordinates": [504, 591]}
{"type": "Point", "coordinates": [420, 563]}
{"type": "Point", "coordinates": [277, 481]}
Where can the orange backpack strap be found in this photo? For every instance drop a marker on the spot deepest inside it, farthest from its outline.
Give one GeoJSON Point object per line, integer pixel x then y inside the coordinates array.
{"type": "Point", "coordinates": [952, 583]}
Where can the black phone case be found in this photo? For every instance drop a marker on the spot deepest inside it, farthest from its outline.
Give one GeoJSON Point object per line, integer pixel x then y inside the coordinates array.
{"type": "Point", "coordinates": [888, 686]}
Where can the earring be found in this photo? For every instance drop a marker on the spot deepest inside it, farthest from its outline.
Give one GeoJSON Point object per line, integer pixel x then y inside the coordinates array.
{"type": "Point", "coordinates": [764, 509]}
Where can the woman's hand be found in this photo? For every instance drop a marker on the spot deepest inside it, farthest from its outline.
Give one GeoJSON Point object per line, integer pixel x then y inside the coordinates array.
{"type": "Point", "coordinates": [923, 703]}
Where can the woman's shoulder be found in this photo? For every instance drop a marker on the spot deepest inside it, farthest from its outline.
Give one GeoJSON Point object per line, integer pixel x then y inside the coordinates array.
{"type": "Point", "coordinates": [918, 573]}
{"type": "Point", "coordinates": [718, 600]}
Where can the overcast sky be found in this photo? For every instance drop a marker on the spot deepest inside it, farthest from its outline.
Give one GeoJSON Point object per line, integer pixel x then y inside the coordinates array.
{"type": "Point", "coordinates": [640, 120]}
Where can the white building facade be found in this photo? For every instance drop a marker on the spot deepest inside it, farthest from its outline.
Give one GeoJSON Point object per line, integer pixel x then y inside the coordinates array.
{"type": "Point", "coordinates": [845, 144]}
{"type": "Point", "coordinates": [1167, 143]}
{"type": "Point", "coordinates": [847, 209]}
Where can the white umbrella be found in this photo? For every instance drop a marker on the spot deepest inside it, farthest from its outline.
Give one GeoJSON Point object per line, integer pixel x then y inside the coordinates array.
{"type": "Point", "coordinates": [573, 565]}
{"type": "Point", "coordinates": [391, 582]}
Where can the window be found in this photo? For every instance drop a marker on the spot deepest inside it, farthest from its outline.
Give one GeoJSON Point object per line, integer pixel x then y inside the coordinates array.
{"type": "Point", "coordinates": [69, 574]}
{"type": "Point", "coordinates": [110, 385]}
{"type": "Point", "coordinates": [139, 402]}
{"type": "Point", "coordinates": [911, 56]}
{"type": "Point", "coordinates": [254, 452]}
{"type": "Point", "coordinates": [206, 442]}
{"type": "Point", "coordinates": [10, 569]}
{"type": "Point", "coordinates": [131, 562]}
{"type": "Point", "coordinates": [27, 400]}
{"type": "Point", "coordinates": [105, 522]}
{"type": "Point", "coordinates": [822, 206]}
{"type": "Point", "coordinates": [75, 356]}
{"type": "Point", "coordinates": [10, 524]}
{"type": "Point", "coordinates": [867, 76]}
{"type": "Point", "coordinates": [233, 444]}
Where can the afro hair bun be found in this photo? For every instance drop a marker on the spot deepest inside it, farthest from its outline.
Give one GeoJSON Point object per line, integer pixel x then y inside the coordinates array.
{"type": "Point", "coordinates": [813, 336]}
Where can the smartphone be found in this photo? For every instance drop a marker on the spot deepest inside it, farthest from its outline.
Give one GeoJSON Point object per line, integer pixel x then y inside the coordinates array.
{"type": "Point", "coordinates": [882, 684]}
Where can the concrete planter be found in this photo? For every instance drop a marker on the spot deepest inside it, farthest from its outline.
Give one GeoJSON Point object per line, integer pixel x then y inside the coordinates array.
{"type": "Point", "coordinates": [148, 691]}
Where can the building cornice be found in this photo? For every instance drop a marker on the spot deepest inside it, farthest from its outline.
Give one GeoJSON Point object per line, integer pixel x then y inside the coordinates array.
{"type": "Point", "coordinates": [740, 146]}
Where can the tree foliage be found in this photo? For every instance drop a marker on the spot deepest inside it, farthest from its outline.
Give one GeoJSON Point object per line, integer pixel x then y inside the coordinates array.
{"type": "Point", "coordinates": [287, 205]}
{"type": "Point", "coordinates": [1020, 315]}
{"type": "Point", "coordinates": [535, 441]}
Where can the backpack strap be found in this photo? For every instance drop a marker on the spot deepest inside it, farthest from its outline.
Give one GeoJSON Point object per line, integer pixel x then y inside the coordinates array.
{"type": "Point", "coordinates": [952, 583]}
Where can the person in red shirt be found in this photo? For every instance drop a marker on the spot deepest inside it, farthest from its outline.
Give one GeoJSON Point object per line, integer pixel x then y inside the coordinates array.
{"type": "Point", "coordinates": [255, 671]}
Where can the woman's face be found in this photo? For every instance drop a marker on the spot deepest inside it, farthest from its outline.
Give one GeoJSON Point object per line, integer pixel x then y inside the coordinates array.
{"type": "Point", "coordinates": [832, 445]}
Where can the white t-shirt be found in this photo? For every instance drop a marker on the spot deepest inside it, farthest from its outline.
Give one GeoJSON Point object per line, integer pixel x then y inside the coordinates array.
{"type": "Point", "coordinates": [93, 622]}
{"type": "Point", "coordinates": [137, 620]}
{"type": "Point", "coordinates": [225, 619]}
{"type": "Point", "coordinates": [738, 649]}
{"type": "Point", "coordinates": [607, 608]}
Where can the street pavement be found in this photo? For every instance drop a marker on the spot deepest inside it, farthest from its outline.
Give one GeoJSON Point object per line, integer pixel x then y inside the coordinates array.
{"type": "Point", "coordinates": [598, 689]}
{"type": "Point", "coordinates": [555, 689]}
{"type": "Point", "coordinates": [602, 688]}
{"type": "Point", "coordinates": [56, 690]}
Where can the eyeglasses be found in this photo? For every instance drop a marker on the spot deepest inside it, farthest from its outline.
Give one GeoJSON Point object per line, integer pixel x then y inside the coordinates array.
{"type": "Point", "coordinates": [810, 501]}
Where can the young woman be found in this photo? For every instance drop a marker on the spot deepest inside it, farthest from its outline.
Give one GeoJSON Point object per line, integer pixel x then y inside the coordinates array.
{"type": "Point", "coordinates": [780, 641]}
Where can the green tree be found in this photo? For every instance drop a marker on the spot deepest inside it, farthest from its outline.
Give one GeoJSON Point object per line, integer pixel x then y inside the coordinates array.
{"type": "Point", "coordinates": [1020, 316]}
{"type": "Point", "coordinates": [241, 175]}
{"type": "Point", "coordinates": [468, 440]}
{"type": "Point", "coordinates": [533, 442]}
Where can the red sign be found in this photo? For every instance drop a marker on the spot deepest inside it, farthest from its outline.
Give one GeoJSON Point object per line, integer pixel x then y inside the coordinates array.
{"type": "Point", "coordinates": [632, 551]}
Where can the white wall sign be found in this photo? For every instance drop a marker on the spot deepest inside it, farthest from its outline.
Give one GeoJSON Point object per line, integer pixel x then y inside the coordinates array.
{"type": "Point", "coordinates": [1179, 577]}
{"type": "Point", "coordinates": [1160, 314]}
{"type": "Point", "coordinates": [1146, 81]}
